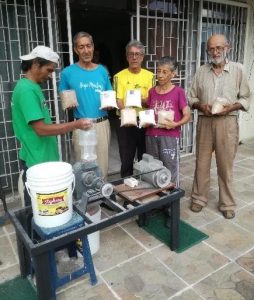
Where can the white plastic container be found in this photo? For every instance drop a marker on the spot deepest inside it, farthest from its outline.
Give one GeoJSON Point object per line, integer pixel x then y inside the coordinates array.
{"type": "Point", "coordinates": [88, 142]}
{"type": "Point", "coordinates": [50, 186]}
{"type": "Point", "coordinates": [94, 212]}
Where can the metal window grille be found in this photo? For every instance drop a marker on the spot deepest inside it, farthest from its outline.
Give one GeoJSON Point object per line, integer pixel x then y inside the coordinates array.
{"type": "Point", "coordinates": [24, 24]}
{"type": "Point", "coordinates": [181, 28]}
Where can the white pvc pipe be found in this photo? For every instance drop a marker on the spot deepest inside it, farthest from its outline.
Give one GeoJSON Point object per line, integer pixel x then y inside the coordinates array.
{"type": "Point", "coordinates": [233, 3]}
{"type": "Point", "coordinates": [51, 44]}
{"type": "Point", "coordinates": [68, 17]}
{"type": "Point", "coordinates": [138, 19]}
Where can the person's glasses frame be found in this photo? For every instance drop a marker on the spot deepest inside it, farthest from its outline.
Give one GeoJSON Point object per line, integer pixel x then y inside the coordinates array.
{"type": "Point", "coordinates": [218, 49]}
{"type": "Point", "coordinates": [135, 54]}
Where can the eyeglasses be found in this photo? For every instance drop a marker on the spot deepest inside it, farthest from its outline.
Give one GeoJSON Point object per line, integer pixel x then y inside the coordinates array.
{"type": "Point", "coordinates": [219, 49]}
{"type": "Point", "coordinates": [135, 54]}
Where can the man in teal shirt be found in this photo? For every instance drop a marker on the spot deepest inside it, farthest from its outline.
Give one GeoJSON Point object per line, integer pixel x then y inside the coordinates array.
{"type": "Point", "coordinates": [89, 79]}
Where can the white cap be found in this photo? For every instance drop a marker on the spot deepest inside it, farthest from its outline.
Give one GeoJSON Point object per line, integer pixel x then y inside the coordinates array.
{"type": "Point", "coordinates": [42, 52]}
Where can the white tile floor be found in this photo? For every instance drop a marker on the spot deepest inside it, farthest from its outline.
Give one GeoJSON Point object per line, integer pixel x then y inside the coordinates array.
{"type": "Point", "coordinates": [132, 264]}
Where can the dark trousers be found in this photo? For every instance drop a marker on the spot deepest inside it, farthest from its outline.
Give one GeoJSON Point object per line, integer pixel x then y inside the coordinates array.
{"type": "Point", "coordinates": [130, 140]}
{"type": "Point", "coordinates": [27, 198]}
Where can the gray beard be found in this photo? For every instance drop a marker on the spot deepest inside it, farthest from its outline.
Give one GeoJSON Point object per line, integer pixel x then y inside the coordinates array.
{"type": "Point", "coordinates": [218, 62]}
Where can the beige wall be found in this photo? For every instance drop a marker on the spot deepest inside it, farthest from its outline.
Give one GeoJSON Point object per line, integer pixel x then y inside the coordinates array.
{"type": "Point", "coordinates": [247, 119]}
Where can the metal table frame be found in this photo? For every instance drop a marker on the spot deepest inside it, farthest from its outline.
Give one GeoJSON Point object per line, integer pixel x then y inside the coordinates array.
{"type": "Point", "coordinates": [39, 252]}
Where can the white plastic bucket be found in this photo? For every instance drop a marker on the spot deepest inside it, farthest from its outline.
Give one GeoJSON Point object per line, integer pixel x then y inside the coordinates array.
{"type": "Point", "coordinates": [50, 186]}
{"type": "Point", "coordinates": [94, 212]}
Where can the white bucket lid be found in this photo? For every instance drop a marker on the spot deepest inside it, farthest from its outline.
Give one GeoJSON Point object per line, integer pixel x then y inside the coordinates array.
{"type": "Point", "coordinates": [49, 170]}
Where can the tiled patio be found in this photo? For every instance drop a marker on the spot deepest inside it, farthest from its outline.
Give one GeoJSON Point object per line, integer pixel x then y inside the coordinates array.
{"type": "Point", "coordinates": [132, 264]}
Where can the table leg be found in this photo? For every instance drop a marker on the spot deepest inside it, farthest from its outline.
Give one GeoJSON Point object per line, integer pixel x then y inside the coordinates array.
{"type": "Point", "coordinates": [175, 225]}
{"type": "Point", "coordinates": [24, 259]}
{"type": "Point", "coordinates": [142, 220]}
{"type": "Point", "coordinates": [45, 290]}
{"type": "Point", "coordinates": [3, 198]}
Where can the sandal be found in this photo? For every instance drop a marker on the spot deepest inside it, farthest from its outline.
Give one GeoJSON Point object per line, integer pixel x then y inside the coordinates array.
{"type": "Point", "coordinates": [196, 207]}
{"type": "Point", "coordinates": [228, 214]}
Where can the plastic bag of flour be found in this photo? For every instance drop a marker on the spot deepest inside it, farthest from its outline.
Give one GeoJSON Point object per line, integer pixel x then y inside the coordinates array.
{"type": "Point", "coordinates": [128, 117]}
{"type": "Point", "coordinates": [68, 99]}
{"type": "Point", "coordinates": [133, 98]}
{"type": "Point", "coordinates": [164, 116]}
{"type": "Point", "coordinates": [146, 118]}
{"type": "Point", "coordinates": [108, 99]}
{"type": "Point", "coordinates": [218, 104]}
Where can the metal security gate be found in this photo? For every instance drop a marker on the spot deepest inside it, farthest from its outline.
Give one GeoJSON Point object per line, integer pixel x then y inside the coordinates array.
{"type": "Point", "coordinates": [24, 24]}
{"type": "Point", "coordinates": [165, 29]}
{"type": "Point", "coordinates": [181, 28]}
{"type": "Point", "coordinates": [225, 18]}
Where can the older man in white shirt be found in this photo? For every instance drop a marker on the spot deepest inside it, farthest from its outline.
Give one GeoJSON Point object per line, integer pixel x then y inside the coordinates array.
{"type": "Point", "coordinates": [217, 130]}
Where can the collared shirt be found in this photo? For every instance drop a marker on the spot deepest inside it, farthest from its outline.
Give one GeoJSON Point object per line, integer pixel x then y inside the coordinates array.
{"type": "Point", "coordinates": [231, 84]}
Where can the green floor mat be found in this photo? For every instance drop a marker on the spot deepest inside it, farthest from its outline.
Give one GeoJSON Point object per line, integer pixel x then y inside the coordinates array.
{"type": "Point", "coordinates": [189, 236]}
{"type": "Point", "coordinates": [17, 289]}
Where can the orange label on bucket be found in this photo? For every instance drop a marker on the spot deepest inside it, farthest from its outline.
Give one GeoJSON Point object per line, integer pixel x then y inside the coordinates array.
{"type": "Point", "coordinates": [52, 204]}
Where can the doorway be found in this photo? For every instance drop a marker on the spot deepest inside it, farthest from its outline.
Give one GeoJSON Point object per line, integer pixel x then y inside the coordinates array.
{"type": "Point", "coordinates": [110, 27]}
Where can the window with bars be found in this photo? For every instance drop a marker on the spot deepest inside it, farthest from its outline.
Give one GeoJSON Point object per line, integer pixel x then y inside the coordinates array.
{"type": "Point", "coordinates": [24, 24]}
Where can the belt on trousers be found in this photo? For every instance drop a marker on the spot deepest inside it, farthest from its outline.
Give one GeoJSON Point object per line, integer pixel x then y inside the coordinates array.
{"type": "Point", "coordinates": [98, 120]}
{"type": "Point", "coordinates": [218, 116]}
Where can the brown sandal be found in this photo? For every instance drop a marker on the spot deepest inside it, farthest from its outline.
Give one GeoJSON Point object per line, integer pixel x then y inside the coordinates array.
{"type": "Point", "coordinates": [228, 214]}
{"type": "Point", "coordinates": [196, 207]}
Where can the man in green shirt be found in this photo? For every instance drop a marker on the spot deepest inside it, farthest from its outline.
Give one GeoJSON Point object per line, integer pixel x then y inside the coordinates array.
{"type": "Point", "coordinates": [31, 118]}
